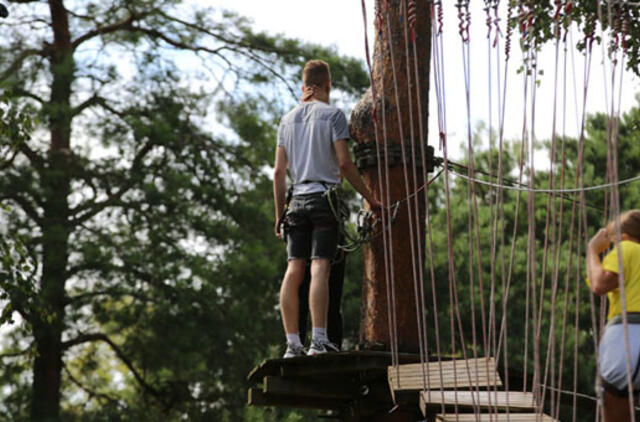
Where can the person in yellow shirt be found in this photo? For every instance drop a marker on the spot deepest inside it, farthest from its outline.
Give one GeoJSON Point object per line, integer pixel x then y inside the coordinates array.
{"type": "Point", "coordinates": [605, 277]}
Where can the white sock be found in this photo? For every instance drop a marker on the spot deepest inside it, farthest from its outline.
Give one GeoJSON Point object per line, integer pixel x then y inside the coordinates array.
{"type": "Point", "coordinates": [320, 334]}
{"type": "Point", "coordinates": [294, 339]}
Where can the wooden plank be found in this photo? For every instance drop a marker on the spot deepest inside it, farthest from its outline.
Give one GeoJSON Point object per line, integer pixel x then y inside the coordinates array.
{"type": "Point", "coordinates": [442, 375]}
{"type": "Point", "coordinates": [482, 399]}
{"type": "Point", "coordinates": [502, 417]}
{"type": "Point", "coordinates": [256, 397]}
{"type": "Point", "coordinates": [314, 389]}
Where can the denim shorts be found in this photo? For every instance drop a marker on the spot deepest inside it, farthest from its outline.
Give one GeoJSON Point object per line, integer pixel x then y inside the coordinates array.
{"type": "Point", "coordinates": [311, 228]}
{"type": "Point", "coordinates": [613, 358]}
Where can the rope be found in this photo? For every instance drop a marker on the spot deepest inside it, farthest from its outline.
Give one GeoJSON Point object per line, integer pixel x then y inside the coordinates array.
{"type": "Point", "coordinates": [406, 179]}
{"type": "Point", "coordinates": [387, 238]}
{"type": "Point", "coordinates": [417, 282]}
{"type": "Point", "coordinates": [438, 77]}
{"type": "Point", "coordinates": [550, 191]}
{"type": "Point", "coordinates": [548, 359]}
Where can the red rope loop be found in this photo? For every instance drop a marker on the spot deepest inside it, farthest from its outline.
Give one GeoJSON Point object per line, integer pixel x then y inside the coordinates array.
{"type": "Point", "coordinates": [488, 20]}
{"type": "Point", "coordinates": [440, 13]}
{"type": "Point", "coordinates": [616, 29]}
{"type": "Point", "coordinates": [464, 19]}
{"type": "Point", "coordinates": [625, 32]}
{"type": "Point", "coordinates": [507, 46]}
{"type": "Point", "coordinates": [411, 18]}
{"type": "Point", "coordinates": [557, 18]}
{"type": "Point", "coordinates": [496, 22]}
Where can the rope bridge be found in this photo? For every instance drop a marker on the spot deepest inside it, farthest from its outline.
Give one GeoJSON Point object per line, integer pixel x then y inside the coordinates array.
{"type": "Point", "coordinates": [554, 273]}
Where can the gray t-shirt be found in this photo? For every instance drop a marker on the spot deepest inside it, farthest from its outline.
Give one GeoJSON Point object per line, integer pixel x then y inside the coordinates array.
{"type": "Point", "coordinates": [307, 133]}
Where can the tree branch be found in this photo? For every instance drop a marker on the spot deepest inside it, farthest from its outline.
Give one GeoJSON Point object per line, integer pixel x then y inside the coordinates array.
{"type": "Point", "coordinates": [92, 393]}
{"type": "Point", "coordinates": [16, 353]}
{"type": "Point", "coordinates": [155, 34]}
{"type": "Point", "coordinates": [95, 208]}
{"type": "Point", "coordinates": [35, 158]}
{"type": "Point", "coordinates": [90, 102]}
{"type": "Point", "coordinates": [108, 292]}
{"type": "Point", "coordinates": [26, 206]}
{"type": "Point", "coordinates": [19, 92]}
{"type": "Point", "coordinates": [8, 162]}
{"type": "Point", "coordinates": [108, 29]}
{"type": "Point", "coordinates": [92, 337]}
{"type": "Point", "coordinates": [17, 63]}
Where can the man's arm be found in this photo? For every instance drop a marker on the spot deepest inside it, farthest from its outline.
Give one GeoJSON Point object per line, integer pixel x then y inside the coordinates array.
{"type": "Point", "coordinates": [280, 184]}
{"type": "Point", "coordinates": [602, 281]}
{"type": "Point", "coordinates": [350, 172]}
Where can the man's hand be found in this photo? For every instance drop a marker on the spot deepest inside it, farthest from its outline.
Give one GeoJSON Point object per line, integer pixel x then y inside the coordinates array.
{"type": "Point", "coordinates": [277, 229]}
{"type": "Point", "coordinates": [600, 242]}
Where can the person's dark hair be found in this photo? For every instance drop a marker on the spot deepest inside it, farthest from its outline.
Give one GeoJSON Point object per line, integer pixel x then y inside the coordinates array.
{"type": "Point", "coordinates": [629, 224]}
{"type": "Point", "coordinates": [316, 73]}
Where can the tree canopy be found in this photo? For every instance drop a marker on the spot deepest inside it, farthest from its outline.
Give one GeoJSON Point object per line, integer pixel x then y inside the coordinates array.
{"type": "Point", "coordinates": [148, 221]}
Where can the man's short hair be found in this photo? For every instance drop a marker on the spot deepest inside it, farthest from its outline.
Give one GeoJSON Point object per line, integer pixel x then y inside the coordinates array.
{"type": "Point", "coordinates": [629, 224]}
{"type": "Point", "coordinates": [316, 73]}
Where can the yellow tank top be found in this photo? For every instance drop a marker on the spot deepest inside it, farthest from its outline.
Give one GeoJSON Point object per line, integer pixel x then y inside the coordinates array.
{"type": "Point", "coordinates": [631, 270]}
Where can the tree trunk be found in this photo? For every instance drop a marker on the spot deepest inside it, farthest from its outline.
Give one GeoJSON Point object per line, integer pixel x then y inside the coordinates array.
{"type": "Point", "coordinates": [49, 324]}
{"type": "Point", "coordinates": [401, 100]}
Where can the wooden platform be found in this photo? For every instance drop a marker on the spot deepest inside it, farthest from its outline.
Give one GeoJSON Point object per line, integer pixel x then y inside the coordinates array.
{"type": "Point", "coordinates": [334, 381]}
{"type": "Point", "coordinates": [513, 417]}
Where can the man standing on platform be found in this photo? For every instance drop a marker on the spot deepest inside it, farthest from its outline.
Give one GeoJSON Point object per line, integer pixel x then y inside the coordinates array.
{"type": "Point", "coordinates": [312, 143]}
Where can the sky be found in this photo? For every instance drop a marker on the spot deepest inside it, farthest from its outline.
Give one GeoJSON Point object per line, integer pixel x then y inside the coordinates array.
{"type": "Point", "coordinates": [340, 23]}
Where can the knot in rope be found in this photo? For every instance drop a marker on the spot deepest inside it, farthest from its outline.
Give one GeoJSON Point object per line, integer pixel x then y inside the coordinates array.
{"type": "Point", "coordinates": [440, 14]}
{"type": "Point", "coordinates": [489, 19]}
{"type": "Point", "coordinates": [464, 17]}
{"type": "Point", "coordinates": [556, 18]}
{"type": "Point", "coordinates": [411, 18]}
{"type": "Point", "coordinates": [625, 32]}
{"type": "Point", "coordinates": [443, 139]}
{"type": "Point", "coordinates": [496, 22]}
{"type": "Point", "coordinates": [507, 46]}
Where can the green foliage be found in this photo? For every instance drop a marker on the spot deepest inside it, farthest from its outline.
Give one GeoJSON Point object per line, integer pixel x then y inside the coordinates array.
{"type": "Point", "coordinates": [621, 20]}
{"type": "Point", "coordinates": [143, 199]}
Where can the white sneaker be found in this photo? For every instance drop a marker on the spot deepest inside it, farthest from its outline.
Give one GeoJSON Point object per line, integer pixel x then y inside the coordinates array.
{"type": "Point", "coordinates": [319, 347]}
{"type": "Point", "coordinates": [294, 350]}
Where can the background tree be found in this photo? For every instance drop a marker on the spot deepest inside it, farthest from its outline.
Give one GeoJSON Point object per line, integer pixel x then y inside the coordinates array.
{"type": "Point", "coordinates": [156, 269]}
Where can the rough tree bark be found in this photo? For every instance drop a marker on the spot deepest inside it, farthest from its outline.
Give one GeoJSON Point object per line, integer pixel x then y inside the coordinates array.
{"type": "Point", "coordinates": [48, 327]}
{"type": "Point", "coordinates": [397, 97]}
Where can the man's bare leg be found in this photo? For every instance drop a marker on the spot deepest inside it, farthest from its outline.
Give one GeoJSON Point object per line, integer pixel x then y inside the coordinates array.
{"type": "Point", "coordinates": [319, 292]}
{"type": "Point", "coordinates": [289, 294]}
{"type": "Point", "coordinates": [616, 409]}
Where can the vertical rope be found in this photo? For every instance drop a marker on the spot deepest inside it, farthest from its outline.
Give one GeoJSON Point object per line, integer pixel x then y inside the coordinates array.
{"type": "Point", "coordinates": [394, 320]}
{"type": "Point", "coordinates": [386, 212]}
{"type": "Point", "coordinates": [614, 119]}
{"type": "Point", "coordinates": [410, 11]}
{"type": "Point", "coordinates": [438, 78]}
{"type": "Point", "coordinates": [550, 225]}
